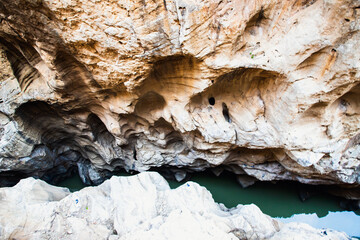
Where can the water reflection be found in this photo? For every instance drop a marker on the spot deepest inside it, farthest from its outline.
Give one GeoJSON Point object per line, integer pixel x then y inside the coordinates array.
{"type": "Point", "coordinates": [275, 199]}
{"type": "Point", "coordinates": [343, 221]}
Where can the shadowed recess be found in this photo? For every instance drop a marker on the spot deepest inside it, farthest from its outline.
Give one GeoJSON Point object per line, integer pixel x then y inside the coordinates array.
{"type": "Point", "coordinates": [172, 76]}
{"type": "Point", "coordinates": [79, 85]}
{"type": "Point", "coordinates": [22, 58]}
{"type": "Point", "coordinates": [99, 130]}
{"type": "Point", "coordinates": [242, 94]}
{"type": "Point", "coordinates": [151, 101]}
{"type": "Point", "coordinates": [40, 118]}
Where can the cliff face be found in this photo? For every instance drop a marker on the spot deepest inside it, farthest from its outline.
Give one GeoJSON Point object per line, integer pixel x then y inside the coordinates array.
{"type": "Point", "coordinates": [264, 88]}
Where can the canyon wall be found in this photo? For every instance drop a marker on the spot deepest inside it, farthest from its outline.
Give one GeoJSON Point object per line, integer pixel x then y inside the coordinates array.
{"type": "Point", "coordinates": [264, 88]}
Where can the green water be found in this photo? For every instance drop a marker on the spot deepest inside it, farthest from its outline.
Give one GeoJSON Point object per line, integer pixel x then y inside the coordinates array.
{"type": "Point", "coordinates": [73, 183]}
{"type": "Point", "coordinates": [277, 200]}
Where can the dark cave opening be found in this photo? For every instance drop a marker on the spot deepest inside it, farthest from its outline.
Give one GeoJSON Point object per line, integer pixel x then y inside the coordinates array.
{"type": "Point", "coordinates": [99, 130]}
{"type": "Point", "coordinates": [63, 148]}
{"type": "Point", "coordinates": [212, 101]}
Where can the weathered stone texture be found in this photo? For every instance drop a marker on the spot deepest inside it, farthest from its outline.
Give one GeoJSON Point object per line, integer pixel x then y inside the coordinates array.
{"type": "Point", "coordinates": [264, 88]}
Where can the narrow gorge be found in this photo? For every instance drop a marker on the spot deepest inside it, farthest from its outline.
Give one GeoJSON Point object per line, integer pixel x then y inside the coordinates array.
{"type": "Point", "coordinates": [268, 90]}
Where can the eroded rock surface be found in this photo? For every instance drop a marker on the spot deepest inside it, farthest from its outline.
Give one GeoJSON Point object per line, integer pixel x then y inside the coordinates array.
{"type": "Point", "coordinates": [136, 207]}
{"type": "Point", "coordinates": [264, 88]}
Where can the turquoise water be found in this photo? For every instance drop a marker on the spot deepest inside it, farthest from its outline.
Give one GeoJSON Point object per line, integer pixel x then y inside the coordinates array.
{"type": "Point", "coordinates": [73, 183]}
{"type": "Point", "coordinates": [278, 200]}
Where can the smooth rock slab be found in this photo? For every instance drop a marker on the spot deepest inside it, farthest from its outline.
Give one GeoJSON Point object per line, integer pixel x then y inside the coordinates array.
{"type": "Point", "coordinates": [136, 207]}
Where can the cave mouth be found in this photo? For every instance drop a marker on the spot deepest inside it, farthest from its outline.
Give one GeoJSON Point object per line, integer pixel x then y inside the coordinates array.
{"type": "Point", "coordinates": [52, 176]}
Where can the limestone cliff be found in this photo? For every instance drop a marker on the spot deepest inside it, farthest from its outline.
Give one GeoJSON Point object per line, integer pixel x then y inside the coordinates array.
{"type": "Point", "coordinates": [266, 88]}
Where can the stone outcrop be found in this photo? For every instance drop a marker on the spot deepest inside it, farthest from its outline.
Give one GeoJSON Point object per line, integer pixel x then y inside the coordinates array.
{"type": "Point", "coordinates": [264, 88]}
{"type": "Point", "coordinates": [136, 207]}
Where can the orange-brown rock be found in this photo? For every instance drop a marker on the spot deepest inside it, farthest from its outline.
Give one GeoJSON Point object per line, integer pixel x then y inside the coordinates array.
{"type": "Point", "coordinates": [264, 88]}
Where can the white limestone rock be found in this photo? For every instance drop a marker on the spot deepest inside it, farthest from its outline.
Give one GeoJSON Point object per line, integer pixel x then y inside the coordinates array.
{"type": "Point", "coordinates": [136, 207]}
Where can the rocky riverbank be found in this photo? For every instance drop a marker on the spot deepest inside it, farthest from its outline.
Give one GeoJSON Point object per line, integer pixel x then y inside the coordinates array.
{"type": "Point", "coordinates": [136, 207]}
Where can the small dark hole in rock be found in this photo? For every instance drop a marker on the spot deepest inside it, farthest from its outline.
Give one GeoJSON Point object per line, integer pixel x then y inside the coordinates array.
{"type": "Point", "coordinates": [225, 112]}
{"type": "Point", "coordinates": [261, 16]}
{"type": "Point", "coordinates": [344, 103]}
{"type": "Point", "coordinates": [134, 154]}
{"type": "Point", "coordinates": [333, 50]}
{"type": "Point", "coordinates": [346, 19]}
{"type": "Point", "coordinates": [212, 101]}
